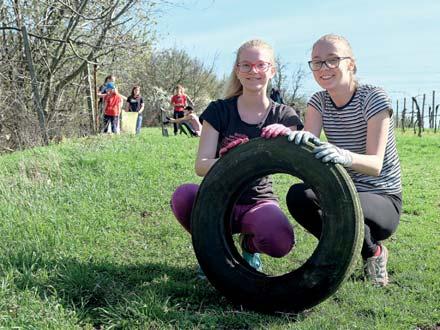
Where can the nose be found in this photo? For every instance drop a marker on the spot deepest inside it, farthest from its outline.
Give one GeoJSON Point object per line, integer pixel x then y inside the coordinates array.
{"type": "Point", "coordinates": [254, 68]}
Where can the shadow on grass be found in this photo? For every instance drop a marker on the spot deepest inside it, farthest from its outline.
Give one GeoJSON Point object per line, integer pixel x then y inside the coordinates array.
{"type": "Point", "coordinates": [134, 295]}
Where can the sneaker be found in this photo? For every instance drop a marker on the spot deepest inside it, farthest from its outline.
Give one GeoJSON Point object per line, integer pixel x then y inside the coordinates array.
{"type": "Point", "coordinates": [253, 259]}
{"type": "Point", "coordinates": [200, 274]}
{"type": "Point", "coordinates": [376, 268]}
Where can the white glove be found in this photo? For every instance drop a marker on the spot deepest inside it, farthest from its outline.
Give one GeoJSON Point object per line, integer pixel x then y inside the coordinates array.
{"type": "Point", "coordinates": [301, 137]}
{"type": "Point", "coordinates": [328, 152]}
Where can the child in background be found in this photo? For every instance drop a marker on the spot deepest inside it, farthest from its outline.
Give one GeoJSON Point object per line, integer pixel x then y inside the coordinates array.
{"type": "Point", "coordinates": [112, 107]}
{"type": "Point", "coordinates": [135, 103]}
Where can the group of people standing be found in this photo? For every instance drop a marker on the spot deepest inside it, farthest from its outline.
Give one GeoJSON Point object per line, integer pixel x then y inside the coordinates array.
{"type": "Point", "coordinates": [184, 119]}
{"type": "Point", "coordinates": [111, 104]}
{"type": "Point", "coordinates": [357, 120]}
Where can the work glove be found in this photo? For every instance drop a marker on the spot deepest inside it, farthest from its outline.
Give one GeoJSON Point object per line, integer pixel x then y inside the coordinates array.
{"type": "Point", "coordinates": [328, 152]}
{"type": "Point", "coordinates": [301, 137]}
{"type": "Point", "coordinates": [231, 142]}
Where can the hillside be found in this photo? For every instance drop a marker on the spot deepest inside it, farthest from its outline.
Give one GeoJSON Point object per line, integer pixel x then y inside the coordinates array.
{"type": "Point", "coordinates": [88, 241]}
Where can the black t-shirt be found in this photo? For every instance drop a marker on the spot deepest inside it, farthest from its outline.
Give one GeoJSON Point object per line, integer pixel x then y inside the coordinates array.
{"type": "Point", "coordinates": [224, 117]}
{"type": "Point", "coordinates": [135, 103]}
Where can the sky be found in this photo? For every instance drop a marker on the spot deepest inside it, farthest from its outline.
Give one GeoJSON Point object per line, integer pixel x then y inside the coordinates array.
{"type": "Point", "coordinates": [396, 42]}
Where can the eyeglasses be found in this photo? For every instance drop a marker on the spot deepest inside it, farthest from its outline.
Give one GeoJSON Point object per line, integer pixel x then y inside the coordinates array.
{"type": "Point", "coordinates": [246, 67]}
{"type": "Point", "coordinates": [331, 63]}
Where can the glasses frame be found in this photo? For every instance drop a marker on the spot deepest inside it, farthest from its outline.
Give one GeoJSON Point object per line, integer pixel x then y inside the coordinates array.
{"type": "Point", "coordinates": [254, 65]}
{"type": "Point", "coordinates": [339, 58]}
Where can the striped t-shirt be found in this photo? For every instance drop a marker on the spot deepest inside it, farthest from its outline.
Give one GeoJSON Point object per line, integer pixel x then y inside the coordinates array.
{"type": "Point", "coordinates": [346, 127]}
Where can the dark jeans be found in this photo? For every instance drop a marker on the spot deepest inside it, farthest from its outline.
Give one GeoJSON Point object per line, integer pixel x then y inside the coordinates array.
{"type": "Point", "coordinates": [189, 128]}
{"type": "Point", "coordinates": [381, 214]}
{"type": "Point", "coordinates": [139, 123]}
{"type": "Point", "coordinates": [111, 120]}
{"type": "Point", "coordinates": [176, 115]}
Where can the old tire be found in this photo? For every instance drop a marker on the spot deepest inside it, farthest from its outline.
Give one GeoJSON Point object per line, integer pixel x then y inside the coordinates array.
{"type": "Point", "coordinates": [328, 266]}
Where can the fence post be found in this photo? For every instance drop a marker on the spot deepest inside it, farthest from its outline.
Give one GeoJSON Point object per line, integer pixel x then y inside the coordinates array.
{"type": "Point", "coordinates": [423, 112]}
{"type": "Point", "coordinates": [419, 119]}
{"type": "Point", "coordinates": [403, 114]}
{"type": "Point", "coordinates": [412, 114]}
{"type": "Point", "coordinates": [397, 114]}
{"type": "Point", "coordinates": [35, 92]}
{"type": "Point", "coordinates": [90, 99]}
{"type": "Point", "coordinates": [431, 120]}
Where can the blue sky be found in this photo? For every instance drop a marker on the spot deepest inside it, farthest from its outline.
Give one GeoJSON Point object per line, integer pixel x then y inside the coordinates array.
{"type": "Point", "coordinates": [396, 43]}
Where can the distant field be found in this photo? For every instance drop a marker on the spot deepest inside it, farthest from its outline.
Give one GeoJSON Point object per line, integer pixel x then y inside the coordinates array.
{"type": "Point", "coordinates": [88, 241]}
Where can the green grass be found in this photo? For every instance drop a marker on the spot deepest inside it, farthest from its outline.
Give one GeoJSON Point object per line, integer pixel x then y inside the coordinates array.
{"type": "Point", "coordinates": [88, 241]}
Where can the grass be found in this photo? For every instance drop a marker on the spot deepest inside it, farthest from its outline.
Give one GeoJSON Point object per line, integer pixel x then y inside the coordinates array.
{"type": "Point", "coordinates": [88, 241]}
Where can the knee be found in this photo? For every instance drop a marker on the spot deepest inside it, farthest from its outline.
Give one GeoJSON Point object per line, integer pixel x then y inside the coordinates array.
{"type": "Point", "coordinates": [276, 239]}
{"type": "Point", "coordinates": [282, 242]}
{"type": "Point", "coordinates": [182, 202]}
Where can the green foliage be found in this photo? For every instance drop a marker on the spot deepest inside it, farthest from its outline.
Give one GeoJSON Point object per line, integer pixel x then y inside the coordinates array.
{"type": "Point", "coordinates": [89, 241]}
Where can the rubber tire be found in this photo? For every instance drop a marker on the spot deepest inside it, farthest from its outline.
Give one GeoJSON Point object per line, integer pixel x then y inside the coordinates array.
{"type": "Point", "coordinates": [331, 262]}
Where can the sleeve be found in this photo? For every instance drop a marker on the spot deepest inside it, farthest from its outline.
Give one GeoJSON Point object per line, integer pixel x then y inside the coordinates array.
{"type": "Point", "coordinates": [141, 101]}
{"type": "Point", "coordinates": [316, 101]}
{"type": "Point", "coordinates": [376, 101]}
{"type": "Point", "coordinates": [289, 117]}
{"type": "Point", "coordinates": [212, 115]}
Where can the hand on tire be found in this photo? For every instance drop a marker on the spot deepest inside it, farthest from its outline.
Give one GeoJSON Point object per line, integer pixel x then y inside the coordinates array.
{"type": "Point", "coordinates": [301, 137]}
{"type": "Point", "coordinates": [274, 130]}
{"type": "Point", "coordinates": [231, 142]}
{"type": "Point", "coordinates": [328, 152]}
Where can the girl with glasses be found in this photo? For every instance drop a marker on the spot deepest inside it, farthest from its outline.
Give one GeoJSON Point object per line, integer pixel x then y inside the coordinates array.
{"type": "Point", "coordinates": [358, 123]}
{"type": "Point", "coordinates": [245, 113]}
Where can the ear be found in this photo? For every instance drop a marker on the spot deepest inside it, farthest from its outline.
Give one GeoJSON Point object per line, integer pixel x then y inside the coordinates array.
{"type": "Point", "coordinates": [351, 65]}
{"type": "Point", "coordinates": [273, 71]}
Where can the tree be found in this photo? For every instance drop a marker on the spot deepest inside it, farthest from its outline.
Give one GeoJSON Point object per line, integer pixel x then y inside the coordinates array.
{"type": "Point", "coordinates": [65, 36]}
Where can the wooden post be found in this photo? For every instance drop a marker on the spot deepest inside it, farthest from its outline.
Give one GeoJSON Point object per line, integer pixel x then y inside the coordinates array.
{"type": "Point", "coordinates": [95, 94]}
{"type": "Point", "coordinates": [397, 114]}
{"type": "Point", "coordinates": [90, 99]}
{"type": "Point", "coordinates": [431, 120]}
{"type": "Point", "coordinates": [403, 114]}
{"type": "Point", "coordinates": [435, 119]}
{"type": "Point", "coordinates": [34, 81]}
{"type": "Point", "coordinates": [423, 113]}
{"type": "Point", "coordinates": [411, 123]}
{"type": "Point", "coordinates": [419, 118]}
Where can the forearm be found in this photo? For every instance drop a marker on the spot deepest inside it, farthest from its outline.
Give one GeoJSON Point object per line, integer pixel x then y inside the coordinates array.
{"type": "Point", "coordinates": [367, 164]}
{"type": "Point", "coordinates": [202, 166]}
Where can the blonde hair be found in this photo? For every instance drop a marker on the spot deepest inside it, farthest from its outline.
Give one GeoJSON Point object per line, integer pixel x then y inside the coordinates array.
{"type": "Point", "coordinates": [179, 87]}
{"type": "Point", "coordinates": [234, 86]}
{"type": "Point", "coordinates": [333, 38]}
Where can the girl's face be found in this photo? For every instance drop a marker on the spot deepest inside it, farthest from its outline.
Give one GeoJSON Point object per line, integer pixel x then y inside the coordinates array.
{"type": "Point", "coordinates": [259, 61]}
{"type": "Point", "coordinates": [332, 78]}
{"type": "Point", "coordinates": [136, 91]}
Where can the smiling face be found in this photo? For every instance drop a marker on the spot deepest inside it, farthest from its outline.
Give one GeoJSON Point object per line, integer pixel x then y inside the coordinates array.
{"type": "Point", "coordinates": [255, 80]}
{"type": "Point", "coordinates": [335, 78]}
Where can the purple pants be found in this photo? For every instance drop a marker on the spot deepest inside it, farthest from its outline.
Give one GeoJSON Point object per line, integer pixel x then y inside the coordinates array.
{"type": "Point", "coordinates": [268, 229]}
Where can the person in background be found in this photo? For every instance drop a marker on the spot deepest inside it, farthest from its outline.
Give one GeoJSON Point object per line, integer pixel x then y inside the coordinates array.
{"type": "Point", "coordinates": [135, 103]}
{"type": "Point", "coordinates": [358, 123]}
{"type": "Point", "coordinates": [190, 121]}
{"type": "Point", "coordinates": [101, 92]}
{"type": "Point", "coordinates": [179, 101]}
{"type": "Point", "coordinates": [275, 95]}
{"type": "Point", "coordinates": [112, 107]}
{"type": "Point", "coordinates": [245, 113]}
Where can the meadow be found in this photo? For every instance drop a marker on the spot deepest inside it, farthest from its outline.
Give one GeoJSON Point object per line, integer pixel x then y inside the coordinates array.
{"type": "Point", "coordinates": [88, 241]}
